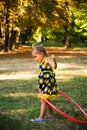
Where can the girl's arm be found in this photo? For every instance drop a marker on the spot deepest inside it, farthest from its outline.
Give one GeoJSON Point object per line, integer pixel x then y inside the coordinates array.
{"type": "Point", "coordinates": [52, 62]}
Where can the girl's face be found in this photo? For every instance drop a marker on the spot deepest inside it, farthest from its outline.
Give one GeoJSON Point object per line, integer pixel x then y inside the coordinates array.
{"type": "Point", "coordinates": [38, 56]}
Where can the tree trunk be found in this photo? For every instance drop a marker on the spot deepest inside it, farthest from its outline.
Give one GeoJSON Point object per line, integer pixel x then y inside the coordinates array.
{"type": "Point", "coordinates": [0, 31]}
{"type": "Point", "coordinates": [23, 37]}
{"type": "Point", "coordinates": [67, 38]}
{"type": "Point", "coordinates": [85, 43]}
{"type": "Point", "coordinates": [12, 39]}
{"type": "Point", "coordinates": [6, 40]}
{"type": "Point", "coordinates": [7, 30]}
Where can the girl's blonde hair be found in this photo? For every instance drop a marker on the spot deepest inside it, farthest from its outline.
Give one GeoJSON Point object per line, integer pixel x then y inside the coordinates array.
{"type": "Point", "coordinates": [40, 49]}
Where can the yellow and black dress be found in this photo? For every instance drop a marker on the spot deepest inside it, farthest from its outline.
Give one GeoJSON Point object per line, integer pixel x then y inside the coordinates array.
{"type": "Point", "coordinates": [47, 81]}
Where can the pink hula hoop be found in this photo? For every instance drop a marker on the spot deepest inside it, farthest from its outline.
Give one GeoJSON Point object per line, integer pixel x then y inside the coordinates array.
{"type": "Point", "coordinates": [64, 114]}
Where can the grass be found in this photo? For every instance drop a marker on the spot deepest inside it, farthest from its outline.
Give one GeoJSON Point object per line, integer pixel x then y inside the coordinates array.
{"type": "Point", "coordinates": [19, 88]}
{"type": "Point", "coordinates": [78, 46]}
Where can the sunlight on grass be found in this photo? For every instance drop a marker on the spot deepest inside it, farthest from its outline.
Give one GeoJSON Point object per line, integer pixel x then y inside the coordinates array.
{"type": "Point", "coordinates": [18, 75]}
{"type": "Point", "coordinates": [66, 71]}
{"type": "Point", "coordinates": [19, 95]}
{"type": "Point", "coordinates": [12, 112]}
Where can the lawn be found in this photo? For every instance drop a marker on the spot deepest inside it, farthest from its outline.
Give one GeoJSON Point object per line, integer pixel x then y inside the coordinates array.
{"type": "Point", "coordinates": [19, 88]}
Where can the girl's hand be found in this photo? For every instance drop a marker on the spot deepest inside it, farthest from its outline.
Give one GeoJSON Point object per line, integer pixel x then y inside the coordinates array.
{"type": "Point", "coordinates": [40, 90]}
{"type": "Point", "coordinates": [52, 56]}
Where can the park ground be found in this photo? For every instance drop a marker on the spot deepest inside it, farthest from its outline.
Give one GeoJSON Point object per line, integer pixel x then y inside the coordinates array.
{"type": "Point", "coordinates": [18, 89]}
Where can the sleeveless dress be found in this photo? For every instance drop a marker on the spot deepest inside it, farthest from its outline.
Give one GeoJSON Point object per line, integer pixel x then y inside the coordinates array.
{"type": "Point", "coordinates": [47, 81]}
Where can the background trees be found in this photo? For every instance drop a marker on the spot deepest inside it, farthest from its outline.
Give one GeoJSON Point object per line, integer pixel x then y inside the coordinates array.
{"type": "Point", "coordinates": [62, 21]}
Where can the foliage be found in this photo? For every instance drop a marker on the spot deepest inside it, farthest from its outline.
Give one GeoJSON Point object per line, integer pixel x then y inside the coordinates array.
{"type": "Point", "coordinates": [58, 20]}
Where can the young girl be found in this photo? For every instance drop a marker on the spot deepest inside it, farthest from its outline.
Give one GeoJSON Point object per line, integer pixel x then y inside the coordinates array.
{"type": "Point", "coordinates": [46, 80]}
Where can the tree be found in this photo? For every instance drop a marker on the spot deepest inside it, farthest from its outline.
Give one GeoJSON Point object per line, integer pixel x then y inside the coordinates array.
{"type": "Point", "coordinates": [81, 20]}
{"type": "Point", "coordinates": [55, 14]}
{"type": "Point", "coordinates": [8, 7]}
{"type": "Point", "coordinates": [66, 19]}
{"type": "Point", "coordinates": [20, 19]}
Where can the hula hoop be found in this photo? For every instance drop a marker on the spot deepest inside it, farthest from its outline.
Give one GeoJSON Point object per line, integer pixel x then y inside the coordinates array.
{"type": "Point", "coordinates": [64, 114]}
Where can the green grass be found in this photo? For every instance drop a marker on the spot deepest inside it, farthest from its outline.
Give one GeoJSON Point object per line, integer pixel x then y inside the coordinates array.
{"type": "Point", "coordinates": [19, 102]}
{"type": "Point", "coordinates": [78, 46]}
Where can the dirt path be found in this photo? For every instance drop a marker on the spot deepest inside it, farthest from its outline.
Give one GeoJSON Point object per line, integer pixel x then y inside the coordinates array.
{"type": "Point", "coordinates": [26, 52]}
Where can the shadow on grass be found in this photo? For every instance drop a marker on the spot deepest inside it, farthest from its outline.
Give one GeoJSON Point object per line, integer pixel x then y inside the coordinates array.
{"type": "Point", "coordinates": [6, 123]}
{"type": "Point", "coordinates": [19, 104]}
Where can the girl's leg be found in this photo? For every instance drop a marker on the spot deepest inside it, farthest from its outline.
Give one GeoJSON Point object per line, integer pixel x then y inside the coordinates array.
{"type": "Point", "coordinates": [50, 110]}
{"type": "Point", "coordinates": [43, 108]}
